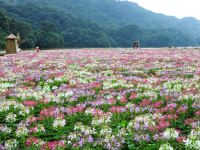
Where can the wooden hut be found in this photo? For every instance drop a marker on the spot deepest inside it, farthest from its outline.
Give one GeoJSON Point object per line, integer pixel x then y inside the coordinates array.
{"type": "Point", "coordinates": [12, 44]}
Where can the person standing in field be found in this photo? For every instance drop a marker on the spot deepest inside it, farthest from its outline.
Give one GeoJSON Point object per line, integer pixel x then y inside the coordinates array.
{"type": "Point", "coordinates": [37, 49]}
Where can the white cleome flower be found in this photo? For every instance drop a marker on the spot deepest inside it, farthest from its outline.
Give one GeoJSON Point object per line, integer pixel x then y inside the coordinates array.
{"type": "Point", "coordinates": [193, 141]}
{"type": "Point", "coordinates": [58, 122]}
{"type": "Point", "coordinates": [11, 118]}
{"type": "Point", "coordinates": [5, 129]}
{"type": "Point", "coordinates": [11, 144]}
{"type": "Point", "coordinates": [165, 147]}
{"type": "Point", "coordinates": [21, 131]}
{"type": "Point", "coordinates": [192, 144]}
{"type": "Point", "coordinates": [170, 134]}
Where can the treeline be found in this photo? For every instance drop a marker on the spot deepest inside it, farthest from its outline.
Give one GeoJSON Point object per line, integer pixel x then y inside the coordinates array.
{"type": "Point", "coordinates": [57, 32]}
{"type": "Point", "coordinates": [47, 25]}
{"type": "Point", "coordinates": [43, 36]}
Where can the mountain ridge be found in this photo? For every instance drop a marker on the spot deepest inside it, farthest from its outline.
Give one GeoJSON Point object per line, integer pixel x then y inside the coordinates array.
{"type": "Point", "coordinates": [107, 18]}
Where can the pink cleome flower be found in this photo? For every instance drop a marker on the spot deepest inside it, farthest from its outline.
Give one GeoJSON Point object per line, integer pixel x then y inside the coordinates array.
{"type": "Point", "coordinates": [32, 141]}
{"type": "Point", "coordinates": [30, 103]}
{"type": "Point", "coordinates": [133, 95]}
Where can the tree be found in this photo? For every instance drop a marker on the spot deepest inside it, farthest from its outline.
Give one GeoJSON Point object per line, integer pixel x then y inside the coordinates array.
{"type": "Point", "coordinates": [50, 40]}
{"type": "Point", "coordinates": [47, 26]}
{"type": "Point", "coordinates": [4, 22]}
{"type": "Point", "coordinates": [26, 32]}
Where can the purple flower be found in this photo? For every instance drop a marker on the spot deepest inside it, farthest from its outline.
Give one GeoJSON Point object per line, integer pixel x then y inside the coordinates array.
{"type": "Point", "coordinates": [156, 137]}
{"type": "Point", "coordinates": [37, 78]}
{"type": "Point", "coordinates": [147, 138]}
{"type": "Point", "coordinates": [81, 142]}
{"type": "Point", "coordinates": [136, 126]}
{"type": "Point", "coordinates": [137, 109]}
{"type": "Point", "coordinates": [2, 147]}
{"type": "Point", "coordinates": [90, 139]}
{"type": "Point", "coordinates": [137, 138]}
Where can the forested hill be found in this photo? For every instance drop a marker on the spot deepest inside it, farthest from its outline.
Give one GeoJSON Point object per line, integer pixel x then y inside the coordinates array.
{"type": "Point", "coordinates": [92, 23]}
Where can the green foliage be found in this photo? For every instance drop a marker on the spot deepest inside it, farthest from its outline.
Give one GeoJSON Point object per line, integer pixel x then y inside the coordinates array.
{"type": "Point", "coordinates": [4, 26]}
{"type": "Point", "coordinates": [4, 22]}
{"type": "Point", "coordinates": [50, 40]}
{"type": "Point", "coordinates": [2, 40]}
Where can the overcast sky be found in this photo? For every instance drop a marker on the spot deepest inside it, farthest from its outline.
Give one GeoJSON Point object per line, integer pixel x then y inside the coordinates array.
{"type": "Point", "coordinates": [178, 8]}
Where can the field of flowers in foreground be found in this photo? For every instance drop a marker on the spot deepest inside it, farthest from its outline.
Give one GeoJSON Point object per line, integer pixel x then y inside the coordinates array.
{"type": "Point", "coordinates": [100, 99]}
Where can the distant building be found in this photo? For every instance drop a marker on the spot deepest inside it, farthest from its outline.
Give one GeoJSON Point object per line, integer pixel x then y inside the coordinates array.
{"type": "Point", "coordinates": [136, 44]}
{"type": "Point", "coordinates": [12, 44]}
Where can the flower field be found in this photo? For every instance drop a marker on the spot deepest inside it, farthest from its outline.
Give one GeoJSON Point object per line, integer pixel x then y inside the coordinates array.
{"type": "Point", "coordinates": [116, 99]}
